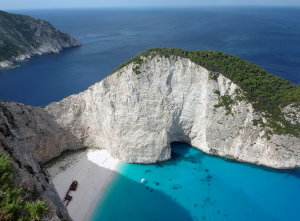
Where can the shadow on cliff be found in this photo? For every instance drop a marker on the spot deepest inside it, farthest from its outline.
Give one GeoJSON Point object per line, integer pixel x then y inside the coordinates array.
{"type": "Point", "coordinates": [178, 149]}
{"type": "Point", "coordinates": [129, 200]}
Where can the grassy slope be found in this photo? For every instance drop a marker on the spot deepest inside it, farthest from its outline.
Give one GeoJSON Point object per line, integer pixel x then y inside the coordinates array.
{"type": "Point", "coordinates": [9, 36]}
{"type": "Point", "coordinates": [18, 34]}
{"type": "Point", "coordinates": [267, 93]}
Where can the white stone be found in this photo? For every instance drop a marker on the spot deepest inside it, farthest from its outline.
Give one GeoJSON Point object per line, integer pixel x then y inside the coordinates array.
{"type": "Point", "coordinates": [136, 117]}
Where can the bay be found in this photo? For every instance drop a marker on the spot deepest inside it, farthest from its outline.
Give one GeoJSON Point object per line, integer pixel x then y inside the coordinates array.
{"type": "Point", "coordinates": [196, 186]}
{"type": "Point", "coordinates": [268, 37]}
{"type": "Point", "coordinates": [193, 186]}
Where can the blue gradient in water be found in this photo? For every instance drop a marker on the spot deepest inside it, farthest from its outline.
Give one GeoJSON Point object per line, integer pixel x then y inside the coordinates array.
{"type": "Point", "coordinates": [268, 37]}
{"type": "Point", "coordinates": [196, 186]}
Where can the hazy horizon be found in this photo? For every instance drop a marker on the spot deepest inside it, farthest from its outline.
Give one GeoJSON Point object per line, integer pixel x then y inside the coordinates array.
{"type": "Point", "coordinates": [132, 4]}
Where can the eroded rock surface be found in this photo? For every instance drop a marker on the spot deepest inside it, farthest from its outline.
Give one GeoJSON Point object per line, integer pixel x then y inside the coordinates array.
{"type": "Point", "coordinates": [45, 138]}
{"type": "Point", "coordinates": [24, 150]}
{"type": "Point", "coordinates": [136, 116]}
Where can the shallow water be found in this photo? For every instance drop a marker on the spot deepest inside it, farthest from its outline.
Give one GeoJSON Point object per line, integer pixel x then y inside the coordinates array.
{"type": "Point", "coordinates": [196, 186]}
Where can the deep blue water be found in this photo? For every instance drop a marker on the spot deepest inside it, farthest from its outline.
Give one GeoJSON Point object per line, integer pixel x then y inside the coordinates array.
{"type": "Point", "coordinates": [196, 186]}
{"type": "Point", "coordinates": [269, 37]}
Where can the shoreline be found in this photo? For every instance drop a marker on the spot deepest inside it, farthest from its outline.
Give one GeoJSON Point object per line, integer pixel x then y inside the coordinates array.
{"type": "Point", "coordinates": [90, 211]}
{"type": "Point", "coordinates": [93, 169]}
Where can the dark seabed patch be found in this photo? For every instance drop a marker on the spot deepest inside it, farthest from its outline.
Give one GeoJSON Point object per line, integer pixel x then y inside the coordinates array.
{"type": "Point", "coordinates": [202, 186]}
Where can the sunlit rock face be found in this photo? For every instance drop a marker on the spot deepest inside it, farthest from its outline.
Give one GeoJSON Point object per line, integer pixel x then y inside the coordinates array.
{"type": "Point", "coordinates": [136, 116]}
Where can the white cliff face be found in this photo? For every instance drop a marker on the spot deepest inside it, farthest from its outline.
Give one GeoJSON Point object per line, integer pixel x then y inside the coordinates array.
{"type": "Point", "coordinates": [136, 117]}
{"type": "Point", "coordinates": [6, 64]}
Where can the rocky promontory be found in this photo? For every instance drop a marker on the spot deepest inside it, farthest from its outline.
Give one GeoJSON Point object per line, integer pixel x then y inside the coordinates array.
{"type": "Point", "coordinates": [137, 112]}
{"type": "Point", "coordinates": [22, 37]}
{"type": "Point", "coordinates": [218, 103]}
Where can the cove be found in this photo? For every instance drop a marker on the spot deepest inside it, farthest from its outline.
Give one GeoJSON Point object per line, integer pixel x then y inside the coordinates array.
{"type": "Point", "coordinates": [197, 186]}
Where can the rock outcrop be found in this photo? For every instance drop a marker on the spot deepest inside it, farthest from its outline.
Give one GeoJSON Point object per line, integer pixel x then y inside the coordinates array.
{"type": "Point", "coordinates": [136, 116]}
{"type": "Point", "coordinates": [22, 37]}
{"type": "Point", "coordinates": [136, 113]}
{"type": "Point", "coordinates": [30, 136]}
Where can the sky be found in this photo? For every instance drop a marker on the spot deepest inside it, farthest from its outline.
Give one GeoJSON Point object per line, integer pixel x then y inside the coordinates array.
{"type": "Point", "coordinates": [41, 4]}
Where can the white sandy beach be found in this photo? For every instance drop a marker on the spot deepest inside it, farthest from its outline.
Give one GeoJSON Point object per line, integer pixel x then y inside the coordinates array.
{"type": "Point", "coordinates": [93, 169]}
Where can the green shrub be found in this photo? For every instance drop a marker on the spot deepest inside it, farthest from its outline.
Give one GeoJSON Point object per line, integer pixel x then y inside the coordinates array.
{"type": "Point", "coordinates": [12, 203]}
{"type": "Point", "coordinates": [267, 93]}
{"type": "Point", "coordinates": [8, 50]}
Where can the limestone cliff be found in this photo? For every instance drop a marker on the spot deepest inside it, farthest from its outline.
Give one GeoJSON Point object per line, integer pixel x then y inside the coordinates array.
{"type": "Point", "coordinates": [136, 115]}
{"type": "Point", "coordinates": [30, 136]}
{"type": "Point", "coordinates": [22, 37]}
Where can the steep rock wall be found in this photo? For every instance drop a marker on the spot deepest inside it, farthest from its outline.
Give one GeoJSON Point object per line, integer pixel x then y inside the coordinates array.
{"type": "Point", "coordinates": [16, 142]}
{"type": "Point", "coordinates": [136, 116]}
{"type": "Point", "coordinates": [45, 138]}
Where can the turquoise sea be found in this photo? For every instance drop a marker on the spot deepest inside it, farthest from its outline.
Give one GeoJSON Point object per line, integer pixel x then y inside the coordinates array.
{"type": "Point", "coordinates": [193, 185]}
{"type": "Point", "coordinates": [196, 186]}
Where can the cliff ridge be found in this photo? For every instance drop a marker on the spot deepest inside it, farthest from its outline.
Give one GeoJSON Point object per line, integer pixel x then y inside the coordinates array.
{"type": "Point", "coordinates": [136, 116]}
{"type": "Point", "coordinates": [22, 37]}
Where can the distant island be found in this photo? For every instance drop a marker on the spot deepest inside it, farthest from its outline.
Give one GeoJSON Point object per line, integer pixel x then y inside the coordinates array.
{"type": "Point", "coordinates": [22, 37]}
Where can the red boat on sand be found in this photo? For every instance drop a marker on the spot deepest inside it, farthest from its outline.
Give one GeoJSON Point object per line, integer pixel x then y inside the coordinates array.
{"type": "Point", "coordinates": [68, 198]}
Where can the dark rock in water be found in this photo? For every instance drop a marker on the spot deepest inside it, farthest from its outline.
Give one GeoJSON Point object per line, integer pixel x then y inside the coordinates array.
{"type": "Point", "coordinates": [209, 177]}
{"type": "Point", "coordinates": [147, 171]}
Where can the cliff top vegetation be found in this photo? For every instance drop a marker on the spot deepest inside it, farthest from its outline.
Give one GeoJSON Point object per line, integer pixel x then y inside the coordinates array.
{"type": "Point", "coordinates": [9, 24]}
{"type": "Point", "coordinates": [267, 93]}
{"type": "Point", "coordinates": [21, 34]}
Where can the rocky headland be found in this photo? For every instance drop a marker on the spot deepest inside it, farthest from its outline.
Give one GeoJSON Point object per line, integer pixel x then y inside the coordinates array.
{"type": "Point", "coordinates": [137, 112]}
{"type": "Point", "coordinates": [157, 98]}
{"type": "Point", "coordinates": [22, 37]}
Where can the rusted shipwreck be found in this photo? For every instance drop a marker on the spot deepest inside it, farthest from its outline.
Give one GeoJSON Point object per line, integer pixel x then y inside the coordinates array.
{"type": "Point", "coordinates": [68, 198]}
